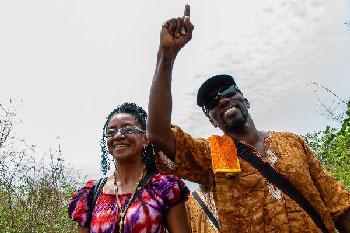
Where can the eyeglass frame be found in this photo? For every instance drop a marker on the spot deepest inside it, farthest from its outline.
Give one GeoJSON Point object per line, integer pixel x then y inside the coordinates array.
{"type": "Point", "coordinates": [135, 129]}
{"type": "Point", "coordinates": [228, 92]}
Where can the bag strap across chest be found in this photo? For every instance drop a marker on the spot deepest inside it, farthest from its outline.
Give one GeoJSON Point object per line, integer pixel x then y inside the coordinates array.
{"type": "Point", "coordinates": [206, 210]}
{"type": "Point", "coordinates": [279, 181]}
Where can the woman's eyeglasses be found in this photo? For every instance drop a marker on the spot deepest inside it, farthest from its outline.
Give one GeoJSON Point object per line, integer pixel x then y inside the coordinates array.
{"type": "Point", "coordinates": [130, 129]}
{"type": "Point", "coordinates": [214, 100]}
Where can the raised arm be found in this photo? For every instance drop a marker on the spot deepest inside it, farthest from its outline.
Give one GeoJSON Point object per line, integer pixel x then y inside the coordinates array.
{"type": "Point", "coordinates": [175, 33]}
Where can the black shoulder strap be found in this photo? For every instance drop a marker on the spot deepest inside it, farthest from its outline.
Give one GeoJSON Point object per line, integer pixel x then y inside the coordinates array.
{"type": "Point", "coordinates": [206, 210]}
{"type": "Point", "coordinates": [278, 180]}
{"type": "Point", "coordinates": [97, 190]}
{"type": "Point", "coordinates": [101, 182]}
{"type": "Point", "coordinates": [141, 185]}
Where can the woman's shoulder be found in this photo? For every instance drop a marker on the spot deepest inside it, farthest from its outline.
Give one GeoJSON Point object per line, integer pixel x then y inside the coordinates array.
{"type": "Point", "coordinates": [160, 177]}
{"type": "Point", "coordinates": [87, 188]}
{"type": "Point", "coordinates": [89, 184]}
{"type": "Point", "coordinates": [85, 192]}
{"type": "Point", "coordinates": [79, 207]}
{"type": "Point", "coordinates": [169, 187]}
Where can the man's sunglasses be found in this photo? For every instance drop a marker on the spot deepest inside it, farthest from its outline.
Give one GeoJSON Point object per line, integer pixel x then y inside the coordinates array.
{"type": "Point", "coordinates": [214, 100]}
{"type": "Point", "coordinates": [130, 129]}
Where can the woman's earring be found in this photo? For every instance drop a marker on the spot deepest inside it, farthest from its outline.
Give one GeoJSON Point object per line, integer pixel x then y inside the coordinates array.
{"type": "Point", "coordinates": [144, 152]}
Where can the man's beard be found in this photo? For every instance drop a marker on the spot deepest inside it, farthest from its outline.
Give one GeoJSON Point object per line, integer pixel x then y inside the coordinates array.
{"type": "Point", "coordinates": [238, 123]}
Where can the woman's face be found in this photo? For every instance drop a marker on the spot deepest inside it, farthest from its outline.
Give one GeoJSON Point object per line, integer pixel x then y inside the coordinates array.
{"type": "Point", "coordinates": [125, 146]}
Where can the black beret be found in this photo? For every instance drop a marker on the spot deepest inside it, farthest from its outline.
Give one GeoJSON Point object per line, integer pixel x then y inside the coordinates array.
{"type": "Point", "coordinates": [213, 83]}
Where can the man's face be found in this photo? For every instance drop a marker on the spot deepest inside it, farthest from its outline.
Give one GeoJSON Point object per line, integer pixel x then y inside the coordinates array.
{"type": "Point", "coordinates": [231, 110]}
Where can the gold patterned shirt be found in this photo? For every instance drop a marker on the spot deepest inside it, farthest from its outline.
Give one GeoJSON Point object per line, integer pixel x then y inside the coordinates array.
{"type": "Point", "coordinates": [196, 216]}
{"type": "Point", "coordinates": [247, 202]}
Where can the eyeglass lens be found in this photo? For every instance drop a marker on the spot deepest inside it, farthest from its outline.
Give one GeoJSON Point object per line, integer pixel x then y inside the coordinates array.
{"type": "Point", "coordinates": [213, 101]}
{"type": "Point", "coordinates": [125, 130]}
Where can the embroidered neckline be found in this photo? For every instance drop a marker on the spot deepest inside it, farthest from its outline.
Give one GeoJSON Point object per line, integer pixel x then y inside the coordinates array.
{"type": "Point", "coordinates": [271, 158]}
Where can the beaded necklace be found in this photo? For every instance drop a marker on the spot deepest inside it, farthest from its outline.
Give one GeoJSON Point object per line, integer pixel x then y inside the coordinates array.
{"type": "Point", "coordinates": [123, 213]}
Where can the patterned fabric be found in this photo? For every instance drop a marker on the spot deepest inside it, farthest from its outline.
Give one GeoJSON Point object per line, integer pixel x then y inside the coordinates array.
{"type": "Point", "coordinates": [247, 203]}
{"type": "Point", "coordinates": [146, 214]}
{"type": "Point", "coordinates": [197, 218]}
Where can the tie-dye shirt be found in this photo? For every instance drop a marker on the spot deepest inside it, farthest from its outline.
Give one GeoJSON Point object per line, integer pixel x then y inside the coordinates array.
{"type": "Point", "coordinates": [146, 214]}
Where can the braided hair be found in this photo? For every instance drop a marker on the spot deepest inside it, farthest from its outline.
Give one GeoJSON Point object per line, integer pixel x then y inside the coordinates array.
{"type": "Point", "coordinates": [140, 116]}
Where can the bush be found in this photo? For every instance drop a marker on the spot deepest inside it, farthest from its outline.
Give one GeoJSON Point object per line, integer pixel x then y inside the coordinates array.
{"type": "Point", "coordinates": [34, 189]}
{"type": "Point", "coordinates": [332, 147]}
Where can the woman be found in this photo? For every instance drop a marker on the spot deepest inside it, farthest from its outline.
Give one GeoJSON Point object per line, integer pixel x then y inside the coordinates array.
{"type": "Point", "coordinates": [158, 206]}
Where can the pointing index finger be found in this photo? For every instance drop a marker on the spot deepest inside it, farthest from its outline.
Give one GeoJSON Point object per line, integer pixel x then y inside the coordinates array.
{"type": "Point", "coordinates": [187, 11]}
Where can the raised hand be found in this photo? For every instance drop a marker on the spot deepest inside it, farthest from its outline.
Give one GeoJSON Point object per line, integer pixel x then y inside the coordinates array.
{"type": "Point", "coordinates": [174, 35]}
{"type": "Point", "coordinates": [176, 32]}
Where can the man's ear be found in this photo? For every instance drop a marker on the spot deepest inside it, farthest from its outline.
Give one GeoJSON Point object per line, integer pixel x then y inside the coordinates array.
{"type": "Point", "coordinates": [212, 122]}
{"type": "Point", "coordinates": [209, 118]}
{"type": "Point", "coordinates": [247, 102]}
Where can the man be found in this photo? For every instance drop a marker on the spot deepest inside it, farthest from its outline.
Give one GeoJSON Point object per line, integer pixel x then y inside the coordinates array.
{"type": "Point", "coordinates": [201, 211]}
{"type": "Point", "coordinates": [246, 200]}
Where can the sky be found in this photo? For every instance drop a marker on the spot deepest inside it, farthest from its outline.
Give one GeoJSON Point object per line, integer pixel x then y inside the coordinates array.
{"type": "Point", "coordinates": [71, 62]}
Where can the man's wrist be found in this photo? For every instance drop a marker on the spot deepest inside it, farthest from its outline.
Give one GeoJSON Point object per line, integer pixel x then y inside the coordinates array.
{"type": "Point", "coordinates": [167, 55]}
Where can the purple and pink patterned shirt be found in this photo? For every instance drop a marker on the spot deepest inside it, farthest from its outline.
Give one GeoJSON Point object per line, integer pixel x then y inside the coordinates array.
{"type": "Point", "coordinates": [146, 214]}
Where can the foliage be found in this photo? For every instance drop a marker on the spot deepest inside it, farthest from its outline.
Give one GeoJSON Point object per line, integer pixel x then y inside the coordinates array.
{"type": "Point", "coordinates": [34, 189]}
{"type": "Point", "coordinates": [332, 147]}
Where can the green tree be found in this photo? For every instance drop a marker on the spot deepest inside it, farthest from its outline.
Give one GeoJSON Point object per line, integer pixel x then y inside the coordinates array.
{"type": "Point", "coordinates": [34, 188]}
{"type": "Point", "coordinates": [332, 147]}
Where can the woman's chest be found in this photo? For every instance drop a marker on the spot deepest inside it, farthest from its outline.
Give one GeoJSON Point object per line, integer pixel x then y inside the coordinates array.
{"type": "Point", "coordinates": [145, 214]}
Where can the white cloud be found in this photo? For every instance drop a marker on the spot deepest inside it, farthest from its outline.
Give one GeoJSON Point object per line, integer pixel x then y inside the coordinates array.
{"type": "Point", "coordinates": [72, 62]}
{"type": "Point", "coordinates": [290, 44]}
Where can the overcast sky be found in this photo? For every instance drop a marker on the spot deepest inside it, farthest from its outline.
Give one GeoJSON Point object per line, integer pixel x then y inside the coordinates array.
{"type": "Point", "coordinates": [72, 62]}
